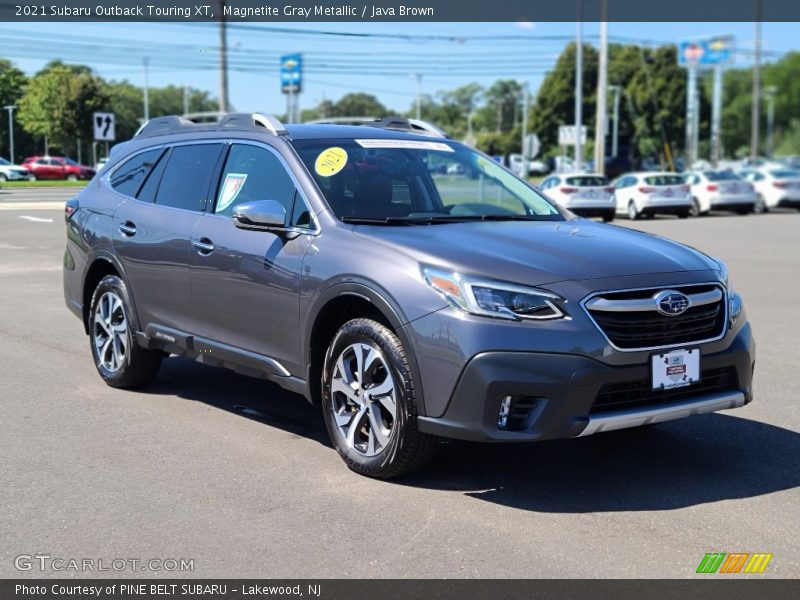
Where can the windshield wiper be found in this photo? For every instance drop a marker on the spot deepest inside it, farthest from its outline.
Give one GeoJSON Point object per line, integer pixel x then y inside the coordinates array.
{"type": "Point", "coordinates": [436, 219]}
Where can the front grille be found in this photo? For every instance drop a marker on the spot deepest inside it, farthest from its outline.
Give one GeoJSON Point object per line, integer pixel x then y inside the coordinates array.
{"type": "Point", "coordinates": [639, 394]}
{"type": "Point", "coordinates": [650, 329]}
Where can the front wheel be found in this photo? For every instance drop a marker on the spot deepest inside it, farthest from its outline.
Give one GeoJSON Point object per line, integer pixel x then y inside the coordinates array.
{"type": "Point", "coordinates": [760, 205]}
{"type": "Point", "coordinates": [3, 178]}
{"type": "Point", "coordinates": [72, 177]}
{"type": "Point", "coordinates": [121, 362]}
{"type": "Point", "coordinates": [633, 214]}
{"type": "Point", "coordinates": [368, 402]}
{"type": "Point", "coordinates": [31, 177]}
{"type": "Point", "coordinates": [695, 209]}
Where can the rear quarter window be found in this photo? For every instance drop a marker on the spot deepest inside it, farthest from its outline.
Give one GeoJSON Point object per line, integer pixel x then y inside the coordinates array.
{"type": "Point", "coordinates": [128, 178]}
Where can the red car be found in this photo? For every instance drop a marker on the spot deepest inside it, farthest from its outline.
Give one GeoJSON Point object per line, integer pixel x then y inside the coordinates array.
{"type": "Point", "coordinates": [56, 167]}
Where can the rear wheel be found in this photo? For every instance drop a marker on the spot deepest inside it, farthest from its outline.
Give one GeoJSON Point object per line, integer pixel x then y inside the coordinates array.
{"type": "Point", "coordinates": [72, 177]}
{"type": "Point", "coordinates": [760, 205]}
{"type": "Point", "coordinates": [609, 216]}
{"type": "Point", "coordinates": [120, 361]}
{"type": "Point", "coordinates": [633, 213]}
{"type": "Point", "coordinates": [3, 178]}
{"type": "Point", "coordinates": [744, 210]}
{"type": "Point", "coordinates": [695, 210]}
{"type": "Point", "coordinates": [684, 214]}
{"type": "Point", "coordinates": [368, 402]}
{"type": "Point", "coordinates": [31, 177]}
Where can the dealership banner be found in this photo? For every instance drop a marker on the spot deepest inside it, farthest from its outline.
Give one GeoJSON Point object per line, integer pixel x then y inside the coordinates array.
{"type": "Point", "coordinates": [399, 589]}
{"type": "Point", "coordinates": [394, 10]}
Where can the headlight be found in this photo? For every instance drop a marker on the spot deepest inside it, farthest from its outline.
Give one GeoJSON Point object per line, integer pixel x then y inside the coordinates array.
{"type": "Point", "coordinates": [734, 299]}
{"type": "Point", "coordinates": [494, 299]}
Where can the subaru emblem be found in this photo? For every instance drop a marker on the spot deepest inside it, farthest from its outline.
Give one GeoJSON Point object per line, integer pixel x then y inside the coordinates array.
{"type": "Point", "coordinates": [671, 303]}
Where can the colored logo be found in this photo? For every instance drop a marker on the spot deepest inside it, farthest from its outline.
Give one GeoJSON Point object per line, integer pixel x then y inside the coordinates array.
{"type": "Point", "coordinates": [671, 303]}
{"type": "Point", "coordinates": [734, 562]}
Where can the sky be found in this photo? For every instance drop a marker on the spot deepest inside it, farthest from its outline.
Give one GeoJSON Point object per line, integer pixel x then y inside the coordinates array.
{"type": "Point", "coordinates": [170, 46]}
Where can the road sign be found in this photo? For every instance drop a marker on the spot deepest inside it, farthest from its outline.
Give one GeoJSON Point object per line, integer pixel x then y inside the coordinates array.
{"type": "Point", "coordinates": [104, 126]}
{"type": "Point", "coordinates": [291, 73]}
{"type": "Point", "coordinates": [707, 52]}
{"type": "Point", "coordinates": [566, 135]}
{"type": "Point", "coordinates": [532, 146]}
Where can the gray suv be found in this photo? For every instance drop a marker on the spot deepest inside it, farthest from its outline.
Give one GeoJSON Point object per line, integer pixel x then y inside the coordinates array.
{"type": "Point", "coordinates": [411, 286]}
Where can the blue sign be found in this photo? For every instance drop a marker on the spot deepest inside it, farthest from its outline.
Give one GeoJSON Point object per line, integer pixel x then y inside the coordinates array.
{"type": "Point", "coordinates": [291, 73]}
{"type": "Point", "coordinates": [709, 52]}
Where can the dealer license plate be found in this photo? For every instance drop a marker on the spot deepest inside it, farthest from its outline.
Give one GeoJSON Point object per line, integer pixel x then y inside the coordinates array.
{"type": "Point", "coordinates": [675, 369]}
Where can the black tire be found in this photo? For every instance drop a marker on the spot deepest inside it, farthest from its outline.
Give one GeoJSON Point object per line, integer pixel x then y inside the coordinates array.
{"type": "Point", "coordinates": [31, 177]}
{"type": "Point", "coordinates": [608, 217]}
{"type": "Point", "coordinates": [744, 210]}
{"type": "Point", "coordinates": [72, 177]}
{"type": "Point", "coordinates": [760, 207]}
{"type": "Point", "coordinates": [695, 210]}
{"type": "Point", "coordinates": [3, 178]}
{"type": "Point", "coordinates": [633, 214]}
{"type": "Point", "coordinates": [138, 366]}
{"type": "Point", "coordinates": [407, 449]}
{"type": "Point", "coordinates": [684, 214]}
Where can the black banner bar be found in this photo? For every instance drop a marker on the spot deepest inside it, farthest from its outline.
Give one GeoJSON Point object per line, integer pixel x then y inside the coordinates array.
{"type": "Point", "coordinates": [713, 588]}
{"type": "Point", "coordinates": [397, 10]}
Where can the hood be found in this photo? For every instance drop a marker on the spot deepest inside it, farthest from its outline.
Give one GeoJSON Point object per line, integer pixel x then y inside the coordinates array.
{"type": "Point", "coordinates": [537, 253]}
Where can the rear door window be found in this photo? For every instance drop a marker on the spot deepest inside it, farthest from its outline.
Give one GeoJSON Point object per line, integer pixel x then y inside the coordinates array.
{"type": "Point", "coordinates": [128, 178]}
{"type": "Point", "coordinates": [186, 180]}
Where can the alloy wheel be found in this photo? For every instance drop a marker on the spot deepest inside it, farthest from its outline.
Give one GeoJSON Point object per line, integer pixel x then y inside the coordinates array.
{"type": "Point", "coordinates": [363, 399]}
{"type": "Point", "coordinates": [110, 332]}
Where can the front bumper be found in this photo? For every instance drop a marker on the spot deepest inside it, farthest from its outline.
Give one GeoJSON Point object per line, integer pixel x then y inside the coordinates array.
{"type": "Point", "coordinates": [16, 175]}
{"type": "Point", "coordinates": [561, 390]}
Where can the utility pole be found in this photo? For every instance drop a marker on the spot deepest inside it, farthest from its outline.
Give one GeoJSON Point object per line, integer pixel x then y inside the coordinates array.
{"type": "Point", "coordinates": [525, 106]}
{"type": "Point", "coordinates": [615, 132]}
{"type": "Point", "coordinates": [756, 115]}
{"type": "Point", "coordinates": [185, 101]}
{"type": "Point", "coordinates": [10, 108]}
{"type": "Point", "coordinates": [223, 61]}
{"type": "Point", "coordinates": [769, 95]}
{"type": "Point", "coordinates": [418, 77]}
{"type": "Point", "coordinates": [579, 90]}
{"type": "Point", "coordinates": [602, 97]}
{"type": "Point", "coordinates": [716, 117]}
{"type": "Point", "coordinates": [146, 63]}
{"type": "Point", "coordinates": [691, 107]}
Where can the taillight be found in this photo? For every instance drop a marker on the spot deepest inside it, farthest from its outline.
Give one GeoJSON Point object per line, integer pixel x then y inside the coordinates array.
{"type": "Point", "coordinates": [568, 190]}
{"type": "Point", "coordinates": [712, 188]}
{"type": "Point", "coordinates": [609, 190]}
{"type": "Point", "coordinates": [70, 208]}
{"type": "Point", "coordinates": [647, 190]}
{"type": "Point", "coordinates": [779, 184]}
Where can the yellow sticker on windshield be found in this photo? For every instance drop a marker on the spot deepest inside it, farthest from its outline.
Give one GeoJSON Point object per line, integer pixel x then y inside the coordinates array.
{"type": "Point", "coordinates": [330, 161]}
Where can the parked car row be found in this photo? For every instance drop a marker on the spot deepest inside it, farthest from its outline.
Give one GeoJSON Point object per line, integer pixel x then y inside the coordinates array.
{"type": "Point", "coordinates": [44, 167]}
{"type": "Point", "coordinates": [650, 193]}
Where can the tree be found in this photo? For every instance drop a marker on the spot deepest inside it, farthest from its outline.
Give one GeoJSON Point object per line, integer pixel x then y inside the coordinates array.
{"type": "Point", "coordinates": [169, 101]}
{"type": "Point", "coordinates": [359, 105]}
{"type": "Point", "coordinates": [12, 86]}
{"type": "Point", "coordinates": [59, 102]}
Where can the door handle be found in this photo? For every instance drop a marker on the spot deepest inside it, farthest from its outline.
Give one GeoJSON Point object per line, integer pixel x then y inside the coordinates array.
{"type": "Point", "coordinates": [128, 229]}
{"type": "Point", "coordinates": [203, 246]}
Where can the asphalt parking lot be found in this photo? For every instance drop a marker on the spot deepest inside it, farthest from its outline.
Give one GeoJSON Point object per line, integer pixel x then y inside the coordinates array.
{"type": "Point", "coordinates": [238, 475]}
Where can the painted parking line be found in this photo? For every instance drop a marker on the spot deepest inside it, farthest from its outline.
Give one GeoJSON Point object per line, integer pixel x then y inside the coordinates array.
{"type": "Point", "coordinates": [31, 206]}
{"type": "Point", "coordinates": [35, 219]}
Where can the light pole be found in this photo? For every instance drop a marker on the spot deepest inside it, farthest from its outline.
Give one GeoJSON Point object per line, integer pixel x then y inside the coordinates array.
{"type": "Point", "coordinates": [615, 132]}
{"type": "Point", "coordinates": [769, 96]}
{"type": "Point", "coordinates": [525, 105]}
{"type": "Point", "coordinates": [756, 114]}
{"type": "Point", "coordinates": [146, 64]}
{"type": "Point", "coordinates": [10, 108]}
{"type": "Point", "coordinates": [418, 77]}
{"type": "Point", "coordinates": [579, 91]}
{"type": "Point", "coordinates": [601, 109]}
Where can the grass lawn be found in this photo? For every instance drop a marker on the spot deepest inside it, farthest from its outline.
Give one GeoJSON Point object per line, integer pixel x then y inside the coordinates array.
{"type": "Point", "coordinates": [41, 183]}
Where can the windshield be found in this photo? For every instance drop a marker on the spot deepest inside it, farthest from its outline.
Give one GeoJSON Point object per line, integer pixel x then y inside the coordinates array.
{"type": "Point", "coordinates": [664, 180]}
{"type": "Point", "coordinates": [587, 181]}
{"type": "Point", "coordinates": [4, 162]}
{"type": "Point", "coordinates": [785, 174]}
{"type": "Point", "coordinates": [721, 176]}
{"type": "Point", "coordinates": [402, 181]}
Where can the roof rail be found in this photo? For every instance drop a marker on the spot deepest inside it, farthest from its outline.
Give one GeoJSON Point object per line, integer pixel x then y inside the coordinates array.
{"type": "Point", "coordinates": [404, 124]}
{"type": "Point", "coordinates": [173, 124]}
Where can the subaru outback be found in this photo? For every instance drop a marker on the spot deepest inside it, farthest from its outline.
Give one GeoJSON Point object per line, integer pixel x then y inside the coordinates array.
{"type": "Point", "coordinates": [410, 286]}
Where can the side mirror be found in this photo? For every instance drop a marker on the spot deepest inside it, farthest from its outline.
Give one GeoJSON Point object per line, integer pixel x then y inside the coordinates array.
{"type": "Point", "coordinates": [260, 214]}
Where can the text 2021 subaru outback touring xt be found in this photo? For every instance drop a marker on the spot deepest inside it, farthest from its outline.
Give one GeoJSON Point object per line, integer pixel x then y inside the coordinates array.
{"type": "Point", "coordinates": [409, 285]}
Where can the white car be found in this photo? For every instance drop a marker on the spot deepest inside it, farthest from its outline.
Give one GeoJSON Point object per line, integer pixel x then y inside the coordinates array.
{"type": "Point", "coordinates": [775, 186]}
{"type": "Point", "coordinates": [652, 193]}
{"type": "Point", "coordinates": [720, 190]}
{"type": "Point", "coordinates": [587, 195]}
{"type": "Point", "coordinates": [12, 172]}
{"type": "Point", "coordinates": [535, 167]}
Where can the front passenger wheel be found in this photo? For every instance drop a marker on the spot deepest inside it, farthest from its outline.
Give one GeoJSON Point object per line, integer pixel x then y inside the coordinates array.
{"type": "Point", "coordinates": [120, 361]}
{"type": "Point", "coordinates": [368, 402]}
